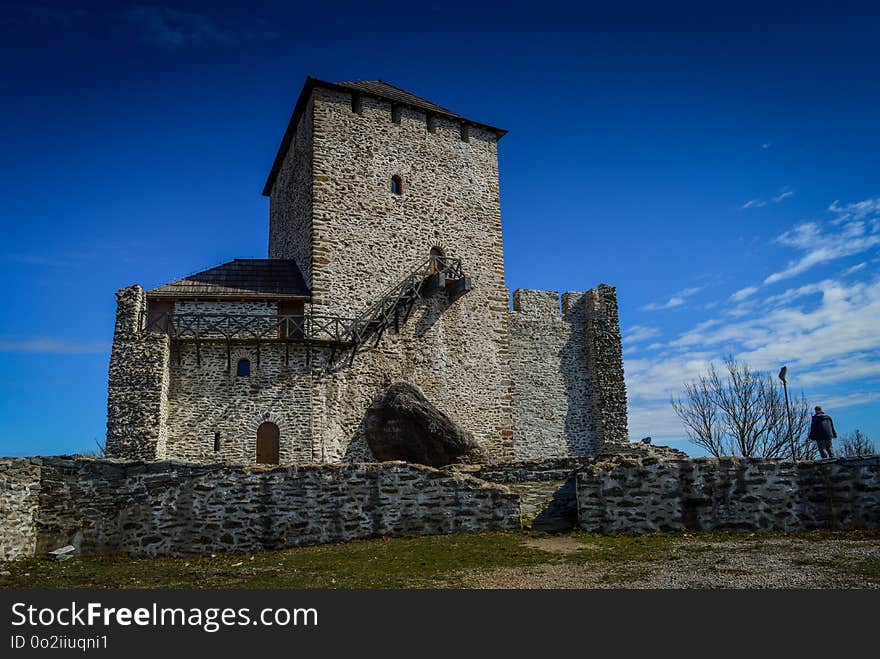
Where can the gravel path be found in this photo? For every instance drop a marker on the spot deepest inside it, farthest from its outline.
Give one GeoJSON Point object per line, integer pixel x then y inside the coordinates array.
{"type": "Point", "coordinates": [776, 563]}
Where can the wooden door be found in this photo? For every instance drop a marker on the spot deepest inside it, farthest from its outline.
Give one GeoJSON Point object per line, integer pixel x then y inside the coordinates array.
{"type": "Point", "coordinates": [159, 315]}
{"type": "Point", "coordinates": [267, 443]}
{"type": "Point", "coordinates": [437, 259]}
{"type": "Point", "coordinates": [290, 319]}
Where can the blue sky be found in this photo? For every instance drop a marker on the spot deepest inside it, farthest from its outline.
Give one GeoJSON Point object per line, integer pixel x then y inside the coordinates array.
{"type": "Point", "coordinates": [718, 166]}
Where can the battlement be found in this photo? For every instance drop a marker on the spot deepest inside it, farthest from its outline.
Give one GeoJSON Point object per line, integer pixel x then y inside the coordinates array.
{"type": "Point", "coordinates": [436, 125]}
{"type": "Point", "coordinates": [536, 305]}
{"type": "Point", "coordinates": [569, 396]}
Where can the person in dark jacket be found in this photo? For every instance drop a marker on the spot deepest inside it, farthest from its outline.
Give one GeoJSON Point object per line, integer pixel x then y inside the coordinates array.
{"type": "Point", "coordinates": [822, 432]}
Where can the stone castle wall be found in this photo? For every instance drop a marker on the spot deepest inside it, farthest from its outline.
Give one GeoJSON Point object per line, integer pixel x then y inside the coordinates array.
{"type": "Point", "coordinates": [137, 393]}
{"type": "Point", "coordinates": [209, 398]}
{"type": "Point", "coordinates": [569, 395]}
{"type": "Point", "coordinates": [365, 239]}
{"type": "Point", "coordinates": [632, 495]}
{"type": "Point", "coordinates": [605, 365]}
{"type": "Point", "coordinates": [19, 502]}
{"type": "Point", "coordinates": [552, 409]}
{"type": "Point", "coordinates": [178, 509]}
{"type": "Point", "coordinates": [290, 201]}
{"type": "Point", "coordinates": [174, 508]}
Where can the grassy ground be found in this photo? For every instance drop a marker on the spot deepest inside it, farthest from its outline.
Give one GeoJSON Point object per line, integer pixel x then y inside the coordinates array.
{"type": "Point", "coordinates": [494, 560]}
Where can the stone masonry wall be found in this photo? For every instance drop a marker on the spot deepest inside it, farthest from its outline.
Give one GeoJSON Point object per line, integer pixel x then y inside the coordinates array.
{"type": "Point", "coordinates": [210, 398]}
{"type": "Point", "coordinates": [19, 501]}
{"type": "Point", "coordinates": [137, 401]}
{"type": "Point", "coordinates": [177, 509]}
{"type": "Point", "coordinates": [552, 393]}
{"type": "Point", "coordinates": [546, 486]}
{"type": "Point", "coordinates": [290, 201]}
{"type": "Point", "coordinates": [631, 495]}
{"type": "Point", "coordinates": [605, 364]}
{"type": "Point", "coordinates": [365, 239]}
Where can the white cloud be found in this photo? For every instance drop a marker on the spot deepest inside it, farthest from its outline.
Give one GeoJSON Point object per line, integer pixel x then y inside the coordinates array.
{"type": "Point", "coordinates": [782, 195]}
{"type": "Point", "coordinates": [54, 346]}
{"type": "Point", "coordinates": [743, 293]}
{"type": "Point", "coordinates": [855, 211]}
{"type": "Point", "coordinates": [825, 331]}
{"type": "Point", "coordinates": [833, 402]}
{"type": "Point", "coordinates": [856, 237]}
{"type": "Point", "coordinates": [834, 342]}
{"type": "Point", "coordinates": [168, 27]}
{"type": "Point", "coordinates": [639, 333]}
{"type": "Point", "coordinates": [855, 268]}
{"type": "Point", "coordinates": [676, 300]}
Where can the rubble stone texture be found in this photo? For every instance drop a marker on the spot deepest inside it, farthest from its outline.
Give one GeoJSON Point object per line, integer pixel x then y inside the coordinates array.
{"type": "Point", "coordinates": [170, 508]}
{"type": "Point", "coordinates": [644, 495]}
{"type": "Point", "coordinates": [178, 509]}
{"type": "Point", "coordinates": [19, 503]}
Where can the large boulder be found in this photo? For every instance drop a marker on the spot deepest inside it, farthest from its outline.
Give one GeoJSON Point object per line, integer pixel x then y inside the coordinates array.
{"type": "Point", "coordinates": [404, 425]}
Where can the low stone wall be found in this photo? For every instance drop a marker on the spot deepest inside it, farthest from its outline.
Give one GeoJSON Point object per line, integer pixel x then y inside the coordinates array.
{"type": "Point", "coordinates": [19, 492]}
{"type": "Point", "coordinates": [178, 509]}
{"type": "Point", "coordinates": [547, 486]}
{"type": "Point", "coordinates": [641, 495]}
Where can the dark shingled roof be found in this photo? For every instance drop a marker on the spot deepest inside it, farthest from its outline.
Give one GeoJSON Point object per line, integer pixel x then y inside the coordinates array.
{"type": "Point", "coordinates": [391, 93]}
{"type": "Point", "coordinates": [375, 88]}
{"type": "Point", "coordinates": [241, 278]}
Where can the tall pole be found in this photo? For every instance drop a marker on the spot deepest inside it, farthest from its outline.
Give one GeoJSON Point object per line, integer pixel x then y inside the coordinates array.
{"type": "Point", "coordinates": [782, 376]}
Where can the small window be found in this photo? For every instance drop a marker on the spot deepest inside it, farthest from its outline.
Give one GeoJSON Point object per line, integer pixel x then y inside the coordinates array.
{"type": "Point", "coordinates": [216, 442]}
{"type": "Point", "coordinates": [244, 368]}
{"type": "Point", "coordinates": [431, 122]}
{"type": "Point", "coordinates": [396, 111]}
{"type": "Point", "coordinates": [465, 133]}
{"type": "Point", "coordinates": [357, 103]}
{"type": "Point", "coordinates": [396, 185]}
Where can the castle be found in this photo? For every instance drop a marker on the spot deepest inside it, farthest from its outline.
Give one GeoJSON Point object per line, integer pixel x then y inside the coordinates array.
{"type": "Point", "coordinates": [385, 265]}
{"type": "Point", "coordinates": [385, 273]}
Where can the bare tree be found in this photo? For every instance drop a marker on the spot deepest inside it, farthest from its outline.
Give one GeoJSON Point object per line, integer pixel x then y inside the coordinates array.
{"type": "Point", "coordinates": [741, 411]}
{"type": "Point", "coordinates": [700, 416]}
{"type": "Point", "coordinates": [856, 444]}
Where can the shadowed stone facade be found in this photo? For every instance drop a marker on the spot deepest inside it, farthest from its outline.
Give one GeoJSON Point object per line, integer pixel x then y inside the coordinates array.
{"type": "Point", "coordinates": [533, 382]}
{"type": "Point", "coordinates": [169, 508]}
{"type": "Point", "coordinates": [176, 509]}
{"type": "Point", "coordinates": [645, 495]}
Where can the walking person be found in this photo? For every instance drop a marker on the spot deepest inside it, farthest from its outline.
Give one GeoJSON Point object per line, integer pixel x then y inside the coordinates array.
{"type": "Point", "coordinates": [822, 432]}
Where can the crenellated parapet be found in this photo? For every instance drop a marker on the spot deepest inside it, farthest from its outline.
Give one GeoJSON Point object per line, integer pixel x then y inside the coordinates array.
{"type": "Point", "coordinates": [567, 371]}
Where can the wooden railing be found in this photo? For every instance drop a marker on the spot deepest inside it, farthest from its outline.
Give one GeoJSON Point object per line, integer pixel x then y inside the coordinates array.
{"type": "Point", "coordinates": [393, 308]}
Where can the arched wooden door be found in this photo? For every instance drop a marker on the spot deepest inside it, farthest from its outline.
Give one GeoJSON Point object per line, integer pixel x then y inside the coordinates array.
{"type": "Point", "coordinates": [267, 443]}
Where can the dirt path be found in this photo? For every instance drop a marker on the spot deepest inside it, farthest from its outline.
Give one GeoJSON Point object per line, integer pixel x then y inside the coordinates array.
{"type": "Point", "coordinates": [692, 563]}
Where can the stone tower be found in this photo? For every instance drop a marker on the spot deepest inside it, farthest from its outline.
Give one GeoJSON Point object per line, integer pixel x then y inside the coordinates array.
{"type": "Point", "coordinates": [368, 181]}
